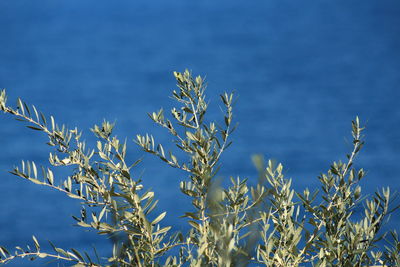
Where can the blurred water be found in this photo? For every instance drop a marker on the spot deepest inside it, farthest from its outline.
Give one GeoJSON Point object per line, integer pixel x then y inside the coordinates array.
{"type": "Point", "coordinates": [301, 70]}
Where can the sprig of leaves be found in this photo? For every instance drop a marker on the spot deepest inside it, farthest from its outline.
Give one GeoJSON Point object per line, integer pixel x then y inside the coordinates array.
{"type": "Point", "coordinates": [35, 252]}
{"type": "Point", "coordinates": [267, 224]}
{"type": "Point", "coordinates": [101, 179]}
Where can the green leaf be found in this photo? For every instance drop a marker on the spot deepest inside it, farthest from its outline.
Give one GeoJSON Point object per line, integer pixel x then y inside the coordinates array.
{"type": "Point", "coordinates": [194, 224]}
{"type": "Point", "coordinates": [190, 215]}
{"type": "Point", "coordinates": [162, 230]}
{"type": "Point", "coordinates": [126, 174]}
{"type": "Point", "coordinates": [34, 169]}
{"type": "Point", "coordinates": [20, 106]}
{"type": "Point", "coordinates": [159, 218]}
{"type": "Point", "coordinates": [78, 254]}
{"type": "Point", "coordinates": [4, 252]}
{"type": "Point", "coordinates": [53, 124]}
{"type": "Point", "coordinates": [36, 181]}
{"type": "Point", "coordinates": [34, 128]}
{"type": "Point", "coordinates": [71, 195]}
{"type": "Point", "coordinates": [50, 177]}
{"type": "Point", "coordinates": [147, 195]}
{"type": "Point", "coordinates": [83, 224]}
{"type": "Point", "coordinates": [191, 136]}
{"type": "Point", "coordinates": [36, 242]}
{"type": "Point", "coordinates": [27, 109]}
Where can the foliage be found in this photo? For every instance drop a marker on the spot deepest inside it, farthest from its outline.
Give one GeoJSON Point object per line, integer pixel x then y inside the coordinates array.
{"type": "Point", "coordinates": [267, 224]}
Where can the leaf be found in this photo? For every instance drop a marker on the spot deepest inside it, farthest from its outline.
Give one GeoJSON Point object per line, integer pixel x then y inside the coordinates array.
{"type": "Point", "coordinates": [162, 230]}
{"type": "Point", "coordinates": [50, 177]}
{"type": "Point", "coordinates": [36, 181]}
{"type": "Point", "coordinates": [102, 212]}
{"type": "Point", "coordinates": [191, 136]}
{"type": "Point", "coordinates": [159, 218]}
{"type": "Point", "coordinates": [78, 254]}
{"type": "Point", "coordinates": [227, 121]}
{"type": "Point", "coordinates": [83, 224]}
{"type": "Point", "coordinates": [147, 195]}
{"type": "Point", "coordinates": [61, 251]}
{"type": "Point", "coordinates": [20, 106]}
{"type": "Point", "coordinates": [43, 118]}
{"type": "Point", "coordinates": [36, 242]}
{"type": "Point", "coordinates": [126, 174]}
{"type": "Point", "coordinates": [188, 110]}
{"type": "Point", "coordinates": [153, 205]}
{"type": "Point", "coordinates": [224, 99]}
{"type": "Point", "coordinates": [4, 252]}
{"type": "Point", "coordinates": [53, 124]}
{"type": "Point", "coordinates": [190, 215]}
{"type": "Point", "coordinates": [27, 109]}
{"type": "Point", "coordinates": [34, 169]}
{"type": "Point", "coordinates": [174, 159]}
{"type": "Point", "coordinates": [34, 128]}
{"type": "Point", "coordinates": [36, 113]}
{"type": "Point", "coordinates": [231, 244]}
{"type": "Point", "coordinates": [103, 156]}
{"type": "Point", "coordinates": [66, 161]}
{"type": "Point", "coordinates": [194, 224]}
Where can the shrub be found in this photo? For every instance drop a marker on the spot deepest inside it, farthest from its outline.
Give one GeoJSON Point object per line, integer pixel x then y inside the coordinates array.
{"type": "Point", "coordinates": [267, 224]}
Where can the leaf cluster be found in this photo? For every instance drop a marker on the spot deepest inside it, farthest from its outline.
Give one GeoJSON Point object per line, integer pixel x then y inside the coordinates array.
{"type": "Point", "coordinates": [267, 224]}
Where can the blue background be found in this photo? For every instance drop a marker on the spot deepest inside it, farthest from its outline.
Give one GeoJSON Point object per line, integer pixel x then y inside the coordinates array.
{"type": "Point", "coordinates": [302, 70]}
